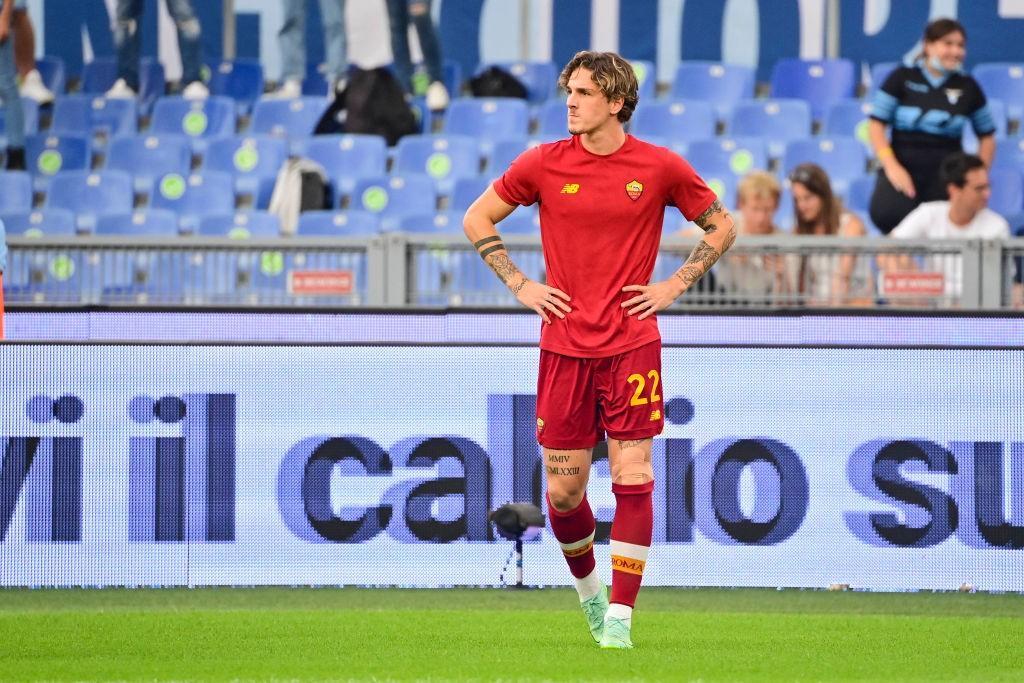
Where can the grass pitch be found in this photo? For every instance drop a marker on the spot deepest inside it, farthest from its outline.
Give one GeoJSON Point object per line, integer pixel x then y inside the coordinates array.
{"type": "Point", "coordinates": [486, 635]}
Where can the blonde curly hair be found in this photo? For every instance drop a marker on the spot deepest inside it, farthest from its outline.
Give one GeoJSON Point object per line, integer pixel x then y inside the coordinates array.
{"type": "Point", "coordinates": [612, 74]}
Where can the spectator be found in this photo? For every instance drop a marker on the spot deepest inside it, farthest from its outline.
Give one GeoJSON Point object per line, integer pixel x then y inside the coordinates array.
{"type": "Point", "coordinates": [15, 116]}
{"type": "Point", "coordinates": [927, 104]}
{"type": "Point", "coordinates": [964, 216]}
{"type": "Point", "coordinates": [128, 39]}
{"type": "Point", "coordinates": [824, 278]}
{"type": "Point", "coordinates": [292, 38]}
{"type": "Point", "coordinates": [32, 85]}
{"type": "Point", "coordinates": [400, 12]}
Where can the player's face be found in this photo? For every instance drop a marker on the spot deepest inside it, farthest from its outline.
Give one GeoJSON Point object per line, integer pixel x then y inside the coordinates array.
{"type": "Point", "coordinates": [588, 109]}
{"type": "Point", "coordinates": [807, 204]}
{"type": "Point", "coordinates": [975, 193]}
{"type": "Point", "coordinates": [757, 212]}
{"type": "Point", "coordinates": [949, 50]}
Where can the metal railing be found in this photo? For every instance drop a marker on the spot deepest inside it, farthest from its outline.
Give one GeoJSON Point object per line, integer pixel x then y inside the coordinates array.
{"type": "Point", "coordinates": [407, 269]}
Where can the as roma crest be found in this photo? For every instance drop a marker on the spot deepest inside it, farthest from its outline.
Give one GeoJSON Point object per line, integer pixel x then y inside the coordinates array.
{"type": "Point", "coordinates": [634, 188]}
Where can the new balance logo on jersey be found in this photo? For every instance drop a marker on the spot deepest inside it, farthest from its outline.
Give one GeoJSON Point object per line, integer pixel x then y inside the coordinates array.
{"type": "Point", "coordinates": [655, 415]}
{"type": "Point", "coordinates": [570, 188]}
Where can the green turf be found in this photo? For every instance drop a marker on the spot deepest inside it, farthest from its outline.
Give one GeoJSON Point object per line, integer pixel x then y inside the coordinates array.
{"type": "Point", "coordinates": [707, 635]}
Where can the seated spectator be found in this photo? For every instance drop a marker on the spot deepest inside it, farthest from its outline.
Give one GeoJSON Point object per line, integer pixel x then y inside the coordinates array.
{"type": "Point", "coordinates": [965, 216]}
{"type": "Point", "coordinates": [823, 278]}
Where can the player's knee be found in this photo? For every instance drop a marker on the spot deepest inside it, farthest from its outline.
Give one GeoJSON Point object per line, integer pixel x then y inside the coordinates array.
{"type": "Point", "coordinates": [565, 496]}
{"type": "Point", "coordinates": [634, 467]}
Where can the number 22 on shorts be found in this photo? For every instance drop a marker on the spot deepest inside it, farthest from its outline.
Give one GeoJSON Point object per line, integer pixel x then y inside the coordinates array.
{"type": "Point", "coordinates": [640, 383]}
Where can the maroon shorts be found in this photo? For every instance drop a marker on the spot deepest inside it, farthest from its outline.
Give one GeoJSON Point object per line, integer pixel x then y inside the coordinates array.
{"type": "Point", "coordinates": [581, 399]}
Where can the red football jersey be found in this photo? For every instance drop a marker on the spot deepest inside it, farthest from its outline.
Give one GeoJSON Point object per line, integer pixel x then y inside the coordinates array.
{"type": "Point", "coordinates": [601, 222]}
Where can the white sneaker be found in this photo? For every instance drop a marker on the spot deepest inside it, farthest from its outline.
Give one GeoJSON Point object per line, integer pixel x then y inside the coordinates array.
{"type": "Point", "coordinates": [32, 86]}
{"type": "Point", "coordinates": [437, 96]}
{"type": "Point", "coordinates": [289, 90]}
{"type": "Point", "coordinates": [120, 91]}
{"type": "Point", "coordinates": [196, 90]}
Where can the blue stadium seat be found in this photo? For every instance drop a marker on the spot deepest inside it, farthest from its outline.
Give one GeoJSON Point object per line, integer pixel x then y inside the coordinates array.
{"type": "Point", "coordinates": [552, 120]}
{"type": "Point", "coordinates": [503, 154]}
{"type": "Point", "coordinates": [879, 72]}
{"type": "Point", "coordinates": [724, 185]}
{"type": "Point", "coordinates": [337, 224]}
{"type": "Point", "coordinates": [241, 80]}
{"type": "Point", "coordinates": [240, 225]}
{"type": "Point", "coordinates": [393, 197]}
{"type": "Point", "coordinates": [722, 155]}
{"type": "Point", "coordinates": [1007, 191]}
{"type": "Point", "coordinates": [466, 192]}
{"type": "Point", "coordinates": [443, 158]}
{"type": "Point", "coordinates": [148, 157]}
{"type": "Point", "coordinates": [252, 160]}
{"type": "Point", "coordinates": [47, 276]}
{"type": "Point", "coordinates": [849, 118]}
{"type": "Point", "coordinates": [47, 155]}
{"type": "Point", "coordinates": [721, 85]}
{"type": "Point", "coordinates": [294, 118]}
{"type": "Point", "coordinates": [858, 194]}
{"type": "Point", "coordinates": [443, 222]}
{"type": "Point", "coordinates": [15, 191]}
{"type": "Point", "coordinates": [777, 121]}
{"type": "Point", "coordinates": [539, 78]}
{"type": "Point", "coordinates": [90, 195]}
{"type": "Point", "coordinates": [1009, 154]}
{"type": "Point", "coordinates": [844, 159]}
{"type": "Point", "coordinates": [646, 78]}
{"type": "Point", "coordinates": [347, 158]}
{"type": "Point", "coordinates": [194, 196]}
{"type": "Point", "coordinates": [30, 109]}
{"type": "Point", "coordinates": [155, 222]}
{"type": "Point", "coordinates": [488, 119]}
{"type": "Point", "coordinates": [98, 117]}
{"type": "Point", "coordinates": [48, 222]}
{"type": "Point", "coordinates": [200, 121]}
{"type": "Point", "coordinates": [674, 121]}
{"type": "Point", "coordinates": [51, 70]}
{"type": "Point", "coordinates": [99, 75]}
{"type": "Point", "coordinates": [818, 82]}
{"type": "Point", "coordinates": [1003, 81]}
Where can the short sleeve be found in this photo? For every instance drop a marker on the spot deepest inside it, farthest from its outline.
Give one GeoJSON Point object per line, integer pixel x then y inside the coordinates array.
{"type": "Point", "coordinates": [687, 190]}
{"type": "Point", "coordinates": [519, 185]}
{"type": "Point", "coordinates": [886, 98]}
{"type": "Point", "coordinates": [913, 226]}
{"type": "Point", "coordinates": [981, 115]}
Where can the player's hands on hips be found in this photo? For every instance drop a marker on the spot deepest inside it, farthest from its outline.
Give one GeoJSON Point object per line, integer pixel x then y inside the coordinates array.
{"type": "Point", "coordinates": [543, 299]}
{"type": "Point", "coordinates": [652, 298]}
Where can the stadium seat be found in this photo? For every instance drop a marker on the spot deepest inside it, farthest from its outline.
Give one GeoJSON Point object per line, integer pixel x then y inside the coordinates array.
{"type": "Point", "coordinates": [393, 197]}
{"type": "Point", "coordinates": [1009, 154]}
{"type": "Point", "coordinates": [777, 121]}
{"type": "Point", "coordinates": [148, 157]}
{"type": "Point", "coordinates": [337, 224]}
{"type": "Point", "coordinates": [47, 155]}
{"type": "Point", "coordinates": [442, 158]}
{"type": "Point", "coordinates": [30, 109]}
{"type": "Point", "coordinates": [721, 155]}
{"type": "Point", "coordinates": [818, 82]}
{"type": "Point", "coordinates": [859, 191]}
{"type": "Point", "coordinates": [879, 72]}
{"type": "Point", "coordinates": [844, 159]}
{"type": "Point", "coordinates": [347, 158]}
{"type": "Point", "coordinates": [1007, 191]}
{"type": "Point", "coordinates": [1003, 81]}
{"type": "Point", "coordinates": [552, 120]}
{"type": "Point", "coordinates": [47, 277]}
{"type": "Point", "coordinates": [724, 186]}
{"type": "Point", "coordinates": [195, 196]}
{"type": "Point", "coordinates": [15, 191]}
{"type": "Point", "coordinates": [443, 222]}
{"type": "Point", "coordinates": [100, 74]}
{"type": "Point", "coordinates": [674, 121]}
{"type": "Point", "coordinates": [539, 78]}
{"type": "Point", "coordinates": [488, 119]}
{"type": "Point", "coordinates": [98, 117]}
{"type": "Point", "coordinates": [240, 225]}
{"type": "Point", "coordinates": [503, 154]}
{"type": "Point", "coordinates": [848, 118]}
{"type": "Point", "coordinates": [646, 78]}
{"type": "Point", "coordinates": [241, 80]}
{"type": "Point", "coordinates": [721, 85]}
{"type": "Point", "coordinates": [253, 161]}
{"type": "Point", "coordinates": [44, 222]}
{"type": "Point", "coordinates": [90, 195]}
{"type": "Point", "coordinates": [294, 118]}
{"type": "Point", "coordinates": [154, 222]}
{"type": "Point", "coordinates": [466, 192]}
{"type": "Point", "coordinates": [51, 70]}
{"type": "Point", "coordinates": [200, 121]}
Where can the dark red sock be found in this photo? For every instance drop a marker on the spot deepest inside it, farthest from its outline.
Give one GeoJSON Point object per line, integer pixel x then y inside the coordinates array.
{"type": "Point", "coordinates": [575, 532]}
{"type": "Point", "coordinates": [632, 528]}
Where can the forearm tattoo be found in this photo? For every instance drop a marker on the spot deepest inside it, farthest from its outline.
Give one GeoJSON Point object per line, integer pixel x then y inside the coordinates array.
{"type": "Point", "coordinates": [503, 267]}
{"type": "Point", "coordinates": [704, 255]}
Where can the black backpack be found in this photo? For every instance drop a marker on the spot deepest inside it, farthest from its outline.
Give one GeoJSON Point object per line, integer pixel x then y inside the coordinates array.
{"type": "Point", "coordinates": [373, 103]}
{"type": "Point", "coordinates": [496, 82]}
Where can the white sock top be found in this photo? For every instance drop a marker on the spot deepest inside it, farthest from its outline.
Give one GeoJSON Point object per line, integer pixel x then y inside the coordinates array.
{"type": "Point", "coordinates": [589, 586]}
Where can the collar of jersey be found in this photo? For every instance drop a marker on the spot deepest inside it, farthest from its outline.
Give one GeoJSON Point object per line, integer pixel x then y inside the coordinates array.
{"type": "Point", "coordinates": [932, 80]}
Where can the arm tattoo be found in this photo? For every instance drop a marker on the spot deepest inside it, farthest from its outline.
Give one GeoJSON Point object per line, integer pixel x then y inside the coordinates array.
{"type": "Point", "coordinates": [702, 220]}
{"type": "Point", "coordinates": [486, 240]}
{"type": "Point", "coordinates": [517, 287]}
{"type": "Point", "coordinates": [503, 267]}
{"type": "Point", "coordinates": [700, 262]}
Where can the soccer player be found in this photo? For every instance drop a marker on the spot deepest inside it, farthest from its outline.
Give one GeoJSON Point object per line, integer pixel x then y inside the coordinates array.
{"type": "Point", "coordinates": [602, 196]}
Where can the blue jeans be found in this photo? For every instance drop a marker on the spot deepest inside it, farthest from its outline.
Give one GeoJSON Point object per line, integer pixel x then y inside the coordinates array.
{"type": "Point", "coordinates": [127, 39]}
{"type": "Point", "coordinates": [14, 116]}
{"type": "Point", "coordinates": [400, 12]}
{"type": "Point", "coordinates": [292, 37]}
